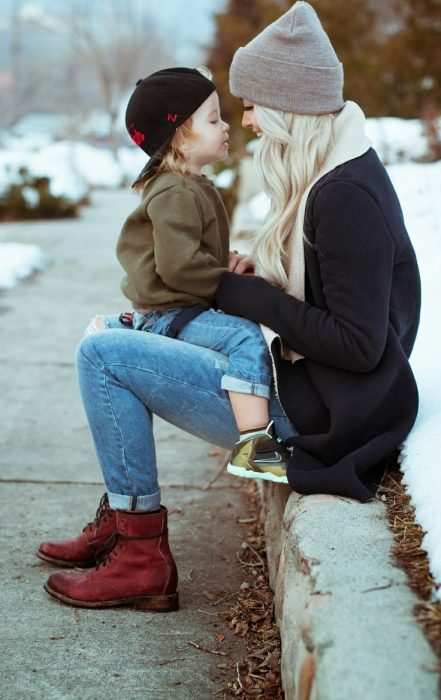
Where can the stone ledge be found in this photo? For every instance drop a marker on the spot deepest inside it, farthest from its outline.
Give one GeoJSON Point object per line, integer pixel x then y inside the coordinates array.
{"type": "Point", "coordinates": [343, 608]}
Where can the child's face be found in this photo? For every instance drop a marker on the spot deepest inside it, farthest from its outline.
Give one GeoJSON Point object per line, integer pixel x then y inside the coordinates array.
{"type": "Point", "coordinates": [211, 142]}
{"type": "Point", "coordinates": [249, 118]}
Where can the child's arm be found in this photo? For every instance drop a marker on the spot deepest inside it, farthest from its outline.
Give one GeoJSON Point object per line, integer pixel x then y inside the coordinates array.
{"type": "Point", "coordinates": [183, 255]}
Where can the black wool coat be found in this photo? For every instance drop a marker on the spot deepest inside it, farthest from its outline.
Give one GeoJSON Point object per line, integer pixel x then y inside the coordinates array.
{"type": "Point", "coordinates": [353, 399]}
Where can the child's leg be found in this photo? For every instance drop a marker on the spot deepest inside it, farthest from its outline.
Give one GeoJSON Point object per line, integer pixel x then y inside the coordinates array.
{"type": "Point", "coordinates": [250, 411]}
{"type": "Point", "coordinates": [248, 376]}
{"type": "Point", "coordinates": [249, 370]}
{"type": "Point", "coordinates": [258, 453]}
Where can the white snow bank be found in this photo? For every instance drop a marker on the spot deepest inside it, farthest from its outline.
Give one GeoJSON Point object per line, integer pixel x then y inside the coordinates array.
{"type": "Point", "coordinates": [418, 187]}
{"type": "Point", "coordinates": [72, 166]}
{"type": "Point", "coordinates": [17, 261]}
{"type": "Point", "coordinates": [52, 161]}
{"type": "Point", "coordinates": [397, 140]}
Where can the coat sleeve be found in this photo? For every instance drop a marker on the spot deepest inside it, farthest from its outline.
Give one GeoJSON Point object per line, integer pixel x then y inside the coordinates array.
{"type": "Point", "coordinates": [355, 252]}
{"type": "Point", "coordinates": [180, 258]}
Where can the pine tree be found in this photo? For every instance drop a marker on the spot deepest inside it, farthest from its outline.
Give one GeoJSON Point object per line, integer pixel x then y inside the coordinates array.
{"type": "Point", "coordinates": [414, 55]}
{"type": "Point", "coordinates": [352, 29]}
{"type": "Point", "coordinates": [241, 21]}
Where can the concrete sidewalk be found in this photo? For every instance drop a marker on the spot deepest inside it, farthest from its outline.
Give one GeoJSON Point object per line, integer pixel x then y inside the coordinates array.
{"type": "Point", "coordinates": [50, 486]}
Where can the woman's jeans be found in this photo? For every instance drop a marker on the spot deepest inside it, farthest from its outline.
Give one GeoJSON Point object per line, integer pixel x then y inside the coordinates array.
{"type": "Point", "coordinates": [249, 369]}
{"type": "Point", "coordinates": [126, 376]}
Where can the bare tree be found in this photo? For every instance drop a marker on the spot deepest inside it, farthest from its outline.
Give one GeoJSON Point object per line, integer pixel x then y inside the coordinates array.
{"type": "Point", "coordinates": [118, 42]}
{"type": "Point", "coordinates": [15, 60]}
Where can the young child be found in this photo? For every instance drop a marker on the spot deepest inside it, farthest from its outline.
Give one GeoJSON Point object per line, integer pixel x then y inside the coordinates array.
{"type": "Point", "coordinates": [175, 246]}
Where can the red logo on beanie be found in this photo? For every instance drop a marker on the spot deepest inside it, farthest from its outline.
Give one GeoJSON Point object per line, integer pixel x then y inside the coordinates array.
{"type": "Point", "coordinates": [171, 117]}
{"type": "Point", "coordinates": [137, 136]}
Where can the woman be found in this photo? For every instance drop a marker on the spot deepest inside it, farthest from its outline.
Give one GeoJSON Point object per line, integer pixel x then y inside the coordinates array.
{"type": "Point", "coordinates": [336, 290]}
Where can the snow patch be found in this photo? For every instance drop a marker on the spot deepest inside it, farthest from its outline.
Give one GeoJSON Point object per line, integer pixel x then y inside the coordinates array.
{"type": "Point", "coordinates": [418, 187]}
{"type": "Point", "coordinates": [17, 261]}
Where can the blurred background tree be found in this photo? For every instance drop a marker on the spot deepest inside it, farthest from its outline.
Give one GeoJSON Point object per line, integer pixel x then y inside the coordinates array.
{"type": "Point", "coordinates": [75, 58]}
{"type": "Point", "coordinates": [114, 47]}
{"type": "Point", "coordinates": [353, 28]}
{"type": "Point", "coordinates": [411, 58]}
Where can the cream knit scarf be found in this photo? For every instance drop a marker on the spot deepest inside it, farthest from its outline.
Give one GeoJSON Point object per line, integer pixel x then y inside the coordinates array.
{"type": "Point", "coordinates": [349, 141]}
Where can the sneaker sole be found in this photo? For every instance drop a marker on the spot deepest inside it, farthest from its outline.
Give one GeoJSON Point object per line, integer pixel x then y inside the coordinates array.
{"type": "Point", "coordinates": [250, 474]}
{"type": "Point", "coordinates": [156, 603]}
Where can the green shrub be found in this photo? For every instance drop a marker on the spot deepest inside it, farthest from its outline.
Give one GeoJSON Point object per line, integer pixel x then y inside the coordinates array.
{"type": "Point", "coordinates": [30, 198]}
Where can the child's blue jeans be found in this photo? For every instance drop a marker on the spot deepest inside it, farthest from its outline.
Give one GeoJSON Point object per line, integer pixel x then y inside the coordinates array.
{"type": "Point", "coordinates": [249, 369]}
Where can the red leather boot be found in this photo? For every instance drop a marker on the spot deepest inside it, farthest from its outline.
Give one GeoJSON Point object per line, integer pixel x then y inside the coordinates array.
{"type": "Point", "coordinates": [96, 537]}
{"type": "Point", "coordinates": [139, 570]}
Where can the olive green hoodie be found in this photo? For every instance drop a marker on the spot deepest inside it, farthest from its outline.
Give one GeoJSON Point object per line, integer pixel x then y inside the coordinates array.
{"type": "Point", "coordinates": [174, 246]}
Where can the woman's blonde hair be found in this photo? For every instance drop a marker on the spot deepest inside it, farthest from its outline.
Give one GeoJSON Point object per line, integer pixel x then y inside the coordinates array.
{"type": "Point", "coordinates": [175, 159]}
{"type": "Point", "coordinates": [291, 152]}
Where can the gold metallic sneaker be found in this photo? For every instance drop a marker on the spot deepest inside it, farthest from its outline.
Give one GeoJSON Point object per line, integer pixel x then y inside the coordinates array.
{"type": "Point", "coordinates": [260, 457]}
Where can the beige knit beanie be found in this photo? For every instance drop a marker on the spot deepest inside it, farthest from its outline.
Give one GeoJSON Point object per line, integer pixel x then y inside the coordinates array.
{"type": "Point", "coordinates": [290, 66]}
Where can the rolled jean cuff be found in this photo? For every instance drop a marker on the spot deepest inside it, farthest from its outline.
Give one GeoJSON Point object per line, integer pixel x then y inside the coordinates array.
{"type": "Point", "coordinates": [118, 501]}
{"type": "Point", "coordinates": [230, 383]}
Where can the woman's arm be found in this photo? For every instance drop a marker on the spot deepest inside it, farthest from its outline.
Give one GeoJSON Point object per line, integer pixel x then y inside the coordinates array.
{"type": "Point", "coordinates": [355, 252]}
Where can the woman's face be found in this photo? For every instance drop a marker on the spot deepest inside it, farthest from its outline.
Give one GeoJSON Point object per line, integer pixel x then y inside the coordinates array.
{"type": "Point", "coordinates": [249, 119]}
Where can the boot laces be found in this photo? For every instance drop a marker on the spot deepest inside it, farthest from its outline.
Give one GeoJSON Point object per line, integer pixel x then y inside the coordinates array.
{"type": "Point", "coordinates": [101, 512]}
{"type": "Point", "coordinates": [116, 541]}
{"type": "Point", "coordinates": [110, 551]}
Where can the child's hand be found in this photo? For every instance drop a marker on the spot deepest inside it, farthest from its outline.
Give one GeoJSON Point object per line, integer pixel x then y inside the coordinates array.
{"type": "Point", "coordinates": [240, 264]}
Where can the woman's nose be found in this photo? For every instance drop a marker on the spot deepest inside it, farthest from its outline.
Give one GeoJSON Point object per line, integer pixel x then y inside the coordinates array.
{"type": "Point", "coordinates": [245, 121]}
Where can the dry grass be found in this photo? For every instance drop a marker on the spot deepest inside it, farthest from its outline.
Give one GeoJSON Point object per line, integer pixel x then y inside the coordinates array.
{"type": "Point", "coordinates": [251, 615]}
{"type": "Point", "coordinates": [410, 556]}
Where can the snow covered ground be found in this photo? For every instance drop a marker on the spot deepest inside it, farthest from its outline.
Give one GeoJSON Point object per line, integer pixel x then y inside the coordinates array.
{"type": "Point", "coordinates": [17, 261]}
{"type": "Point", "coordinates": [419, 188]}
{"type": "Point", "coordinates": [72, 166]}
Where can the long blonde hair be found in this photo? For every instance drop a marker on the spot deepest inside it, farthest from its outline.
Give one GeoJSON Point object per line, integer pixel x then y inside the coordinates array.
{"type": "Point", "coordinates": [291, 152]}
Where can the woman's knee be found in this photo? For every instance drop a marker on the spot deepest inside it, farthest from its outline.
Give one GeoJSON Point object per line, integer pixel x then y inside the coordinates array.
{"type": "Point", "coordinates": [105, 349]}
{"type": "Point", "coordinates": [87, 350]}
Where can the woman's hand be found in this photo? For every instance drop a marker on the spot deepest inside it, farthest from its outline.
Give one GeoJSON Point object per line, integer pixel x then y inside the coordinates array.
{"type": "Point", "coordinates": [240, 264]}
